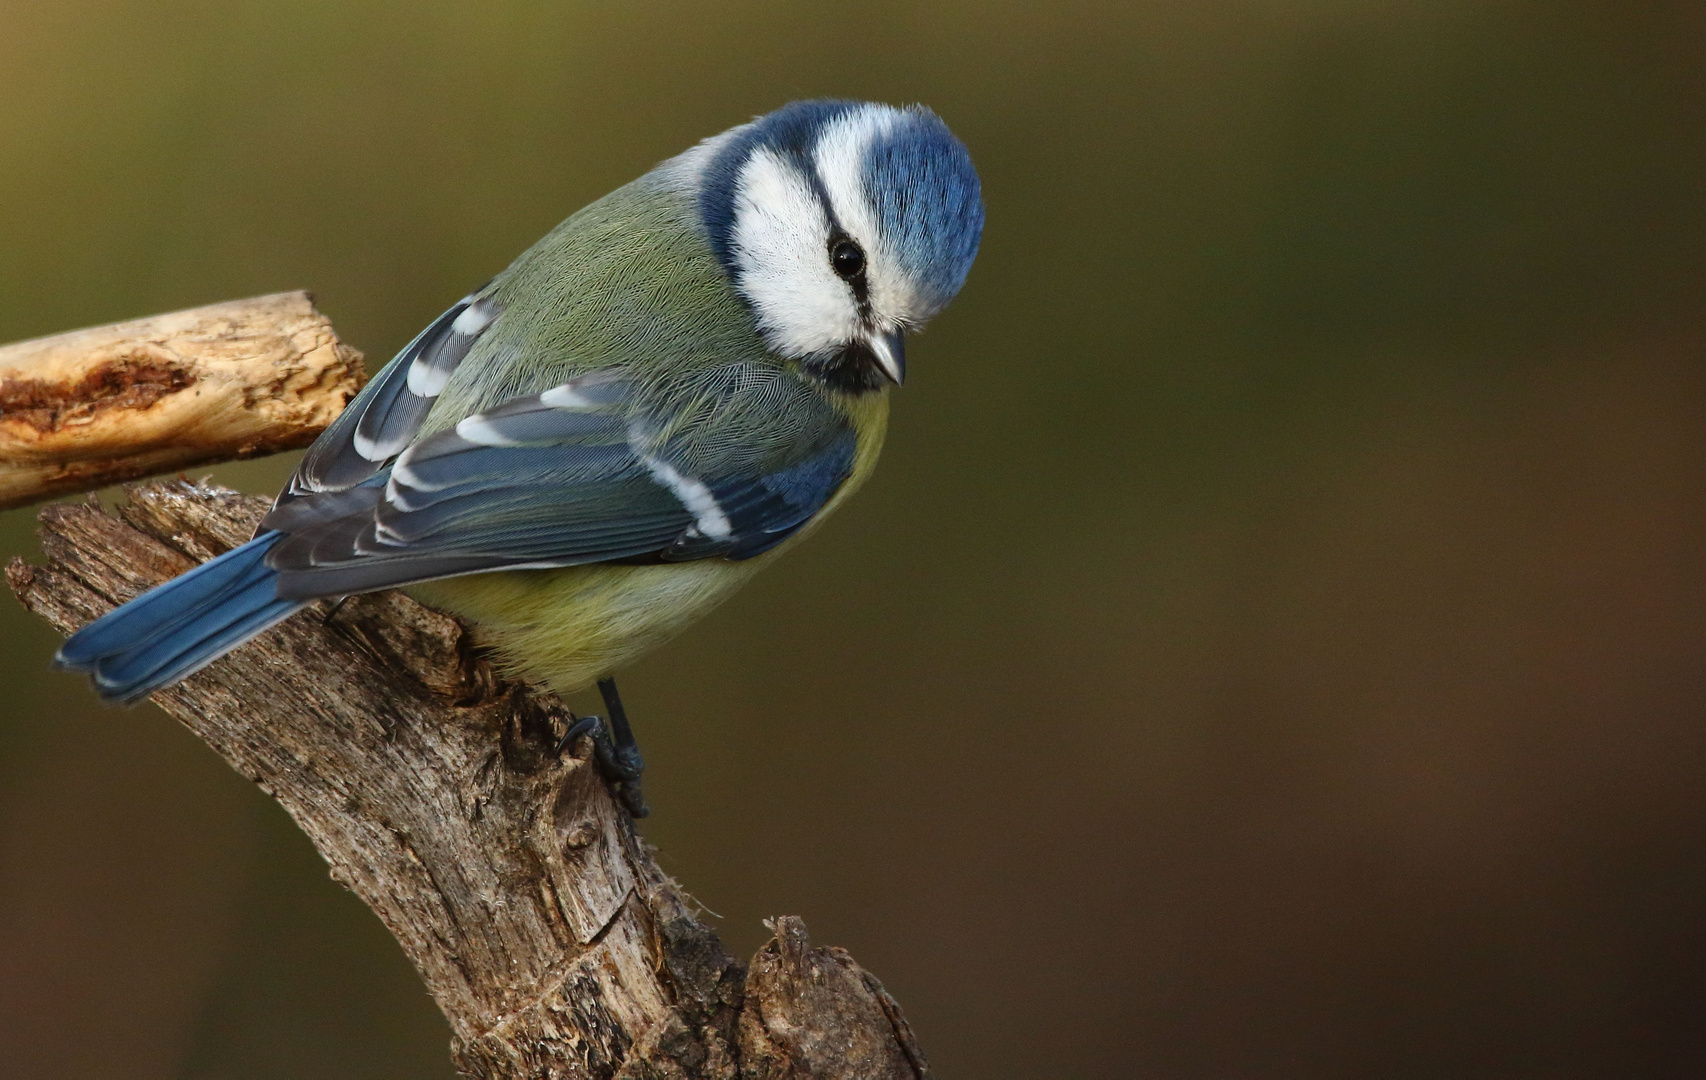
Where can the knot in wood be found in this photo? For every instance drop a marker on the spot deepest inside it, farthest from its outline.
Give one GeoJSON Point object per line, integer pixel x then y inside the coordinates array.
{"type": "Point", "coordinates": [580, 835]}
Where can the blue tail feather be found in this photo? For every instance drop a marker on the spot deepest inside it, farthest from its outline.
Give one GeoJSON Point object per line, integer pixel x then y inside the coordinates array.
{"type": "Point", "coordinates": [174, 630]}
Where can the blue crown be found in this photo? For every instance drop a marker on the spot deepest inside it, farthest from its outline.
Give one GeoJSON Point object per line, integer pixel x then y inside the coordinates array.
{"type": "Point", "coordinates": [927, 195]}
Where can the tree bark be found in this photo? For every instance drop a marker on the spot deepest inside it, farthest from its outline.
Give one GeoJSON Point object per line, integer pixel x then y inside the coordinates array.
{"type": "Point", "coordinates": [509, 875]}
{"type": "Point", "coordinates": [94, 407]}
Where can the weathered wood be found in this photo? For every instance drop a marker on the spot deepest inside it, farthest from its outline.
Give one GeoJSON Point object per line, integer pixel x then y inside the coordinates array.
{"type": "Point", "coordinates": [94, 407]}
{"type": "Point", "coordinates": [510, 876]}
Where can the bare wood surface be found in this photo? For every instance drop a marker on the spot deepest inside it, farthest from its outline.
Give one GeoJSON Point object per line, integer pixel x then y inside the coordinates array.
{"type": "Point", "coordinates": [94, 407]}
{"type": "Point", "coordinates": [510, 876]}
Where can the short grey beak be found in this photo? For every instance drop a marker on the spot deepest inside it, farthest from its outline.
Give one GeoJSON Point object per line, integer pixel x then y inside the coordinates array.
{"type": "Point", "coordinates": [890, 351]}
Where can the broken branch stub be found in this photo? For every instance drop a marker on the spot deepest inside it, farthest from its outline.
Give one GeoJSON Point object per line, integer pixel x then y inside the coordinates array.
{"type": "Point", "coordinates": [94, 407]}
{"type": "Point", "coordinates": [510, 877]}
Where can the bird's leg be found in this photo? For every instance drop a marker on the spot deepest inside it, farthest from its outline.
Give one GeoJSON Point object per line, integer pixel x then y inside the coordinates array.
{"type": "Point", "coordinates": [614, 748]}
{"type": "Point", "coordinates": [336, 607]}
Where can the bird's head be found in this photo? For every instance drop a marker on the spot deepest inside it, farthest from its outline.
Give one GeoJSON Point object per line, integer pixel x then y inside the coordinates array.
{"type": "Point", "coordinates": [843, 225]}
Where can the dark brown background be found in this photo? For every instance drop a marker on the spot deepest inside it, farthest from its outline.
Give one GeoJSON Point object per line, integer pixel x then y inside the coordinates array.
{"type": "Point", "coordinates": [1273, 643]}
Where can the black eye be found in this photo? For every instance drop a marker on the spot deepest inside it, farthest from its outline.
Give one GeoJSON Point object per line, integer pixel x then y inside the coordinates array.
{"type": "Point", "coordinates": [846, 258]}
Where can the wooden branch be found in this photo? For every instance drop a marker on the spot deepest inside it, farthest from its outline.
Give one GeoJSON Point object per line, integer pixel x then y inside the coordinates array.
{"type": "Point", "coordinates": [94, 407]}
{"type": "Point", "coordinates": [510, 876]}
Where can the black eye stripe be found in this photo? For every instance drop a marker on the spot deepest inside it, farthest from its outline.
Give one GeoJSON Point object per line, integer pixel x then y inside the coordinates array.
{"type": "Point", "coordinates": [847, 259]}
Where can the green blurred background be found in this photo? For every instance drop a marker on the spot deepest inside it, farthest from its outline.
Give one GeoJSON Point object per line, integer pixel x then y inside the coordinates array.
{"type": "Point", "coordinates": [1272, 645]}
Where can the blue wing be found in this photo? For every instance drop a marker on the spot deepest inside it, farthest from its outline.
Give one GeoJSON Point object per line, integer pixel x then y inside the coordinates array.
{"type": "Point", "coordinates": [595, 470]}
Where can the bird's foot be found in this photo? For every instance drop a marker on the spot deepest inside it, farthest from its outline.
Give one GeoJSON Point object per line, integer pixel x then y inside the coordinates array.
{"type": "Point", "coordinates": [614, 749]}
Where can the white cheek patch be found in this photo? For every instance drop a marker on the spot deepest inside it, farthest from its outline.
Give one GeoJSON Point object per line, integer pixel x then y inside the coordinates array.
{"type": "Point", "coordinates": [840, 159]}
{"type": "Point", "coordinates": [780, 243]}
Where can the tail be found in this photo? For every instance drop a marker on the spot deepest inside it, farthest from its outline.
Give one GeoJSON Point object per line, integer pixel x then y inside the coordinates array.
{"type": "Point", "coordinates": [176, 629]}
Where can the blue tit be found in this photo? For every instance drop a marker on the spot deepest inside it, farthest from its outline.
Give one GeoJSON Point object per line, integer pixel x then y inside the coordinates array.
{"type": "Point", "coordinates": [594, 449]}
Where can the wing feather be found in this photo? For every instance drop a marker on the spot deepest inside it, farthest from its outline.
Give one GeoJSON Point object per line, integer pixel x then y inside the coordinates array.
{"type": "Point", "coordinates": [579, 473]}
{"type": "Point", "coordinates": [386, 416]}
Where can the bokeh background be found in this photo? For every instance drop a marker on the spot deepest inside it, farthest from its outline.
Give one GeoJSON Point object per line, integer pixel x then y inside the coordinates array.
{"type": "Point", "coordinates": [1274, 644]}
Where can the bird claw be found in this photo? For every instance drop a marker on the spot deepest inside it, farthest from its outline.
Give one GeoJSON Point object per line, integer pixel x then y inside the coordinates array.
{"type": "Point", "coordinates": [617, 758]}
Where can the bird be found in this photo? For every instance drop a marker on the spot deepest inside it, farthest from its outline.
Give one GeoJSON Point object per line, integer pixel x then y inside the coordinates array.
{"type": "Point", "coordinates": [588, 453]}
